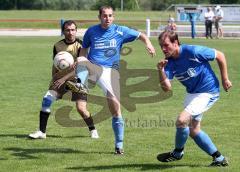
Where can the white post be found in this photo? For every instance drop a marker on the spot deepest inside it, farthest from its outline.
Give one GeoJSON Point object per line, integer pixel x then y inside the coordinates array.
{"type": "Point", "coordinates": [121, 5]}
{"type": "Point", "coordinates": [148, 27]}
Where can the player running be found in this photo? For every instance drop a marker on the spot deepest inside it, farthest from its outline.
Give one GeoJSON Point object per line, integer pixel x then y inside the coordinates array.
{"type": "Point", "coordinates": [190, 65]}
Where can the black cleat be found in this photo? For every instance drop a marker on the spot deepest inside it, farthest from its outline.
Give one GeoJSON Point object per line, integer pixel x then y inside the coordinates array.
{"type": "Point", "coordinates": [77, 87]}
{"type": "Point", "coordinates": [118, 151]}
{"type": "Point", "coordinates": [168, 157]}
{"type": "Point", "coordinates": [216, 163]}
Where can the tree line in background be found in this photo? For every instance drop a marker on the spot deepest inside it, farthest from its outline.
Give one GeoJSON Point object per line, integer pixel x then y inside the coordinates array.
{"type": "Point", "coordinates": [95, 4]}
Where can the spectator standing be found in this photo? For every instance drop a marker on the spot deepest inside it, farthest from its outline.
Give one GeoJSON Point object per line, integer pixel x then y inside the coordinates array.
{"type": "Point", "coordinates": [218, 18]}
{"type": "Point", "coordinates": [209, 15]}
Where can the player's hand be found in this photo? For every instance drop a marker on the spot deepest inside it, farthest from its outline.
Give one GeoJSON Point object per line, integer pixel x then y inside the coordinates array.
{"type": "Point", "coordinates": [58, 83]}
{"type": "Point", "coordinates": [161, 64]}
{"type": "Point", "coordinates": [227, 84]}
{"type": "Point", "coordinates": [151, 50]}
{"type": "Point", "coordinates": [74, 66]}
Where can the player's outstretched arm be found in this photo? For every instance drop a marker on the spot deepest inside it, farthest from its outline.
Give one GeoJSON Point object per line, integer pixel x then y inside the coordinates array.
{"type": "Point", "coordinates": [150, 48]}
{"type": "Point", "coordinates": [226, 83]}
{"type": "Point", "coordinates": [164, 81]}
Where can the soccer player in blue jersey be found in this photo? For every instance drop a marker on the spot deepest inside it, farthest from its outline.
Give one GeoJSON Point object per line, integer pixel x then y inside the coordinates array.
{"type": "Point", "coordinates": [101, 62]}
{"type": "Point", "coordinates": [190, 65]}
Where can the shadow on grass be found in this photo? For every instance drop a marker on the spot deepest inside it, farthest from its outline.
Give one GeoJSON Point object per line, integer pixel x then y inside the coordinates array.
{"type": "Point", "coordinates": [23, 153]}
{"type": "Point", "coordinates": [143, 167]}
{"type": "Point", "coordinates": [21, 136]}
{"type": "Point", "coordinates": [1, 159]}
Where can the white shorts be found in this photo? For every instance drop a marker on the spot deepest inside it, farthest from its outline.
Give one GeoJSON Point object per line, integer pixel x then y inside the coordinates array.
{"type": "Point", "coordinates": [197, 103]}
{"type": "Point", "coordinates": [109, 82]}
{"type": "Point", "coordinates": [106, 78]}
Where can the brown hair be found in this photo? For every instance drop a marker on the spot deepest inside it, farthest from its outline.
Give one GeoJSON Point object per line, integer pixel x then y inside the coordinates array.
{"type": "Point", "coordinates": [68, 22]}
{"type": "Point", "coordinates": [173, 36]}
{"type": "Point", "coordinates": [103, 8]}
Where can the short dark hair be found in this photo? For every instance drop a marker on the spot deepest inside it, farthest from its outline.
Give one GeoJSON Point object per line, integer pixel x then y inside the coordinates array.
{"type": "Point", "coordinates": [173, 36]}
{"type": "Point", "coordinates": [68, 22]}
{"type": "Point", "coordinates": [104, 7]}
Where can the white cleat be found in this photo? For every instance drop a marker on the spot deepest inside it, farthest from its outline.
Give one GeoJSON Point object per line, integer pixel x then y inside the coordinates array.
{"type": "Point", "coordinates": [94, 134]}
{"type": "Point", "coordinates": [38, 135]}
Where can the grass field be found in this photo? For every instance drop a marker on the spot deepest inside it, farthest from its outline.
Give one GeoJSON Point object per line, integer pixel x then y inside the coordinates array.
{"type": "Point", "coordinates": [135, 19]}
{"type": "Point", "coordinates": [25, 74]}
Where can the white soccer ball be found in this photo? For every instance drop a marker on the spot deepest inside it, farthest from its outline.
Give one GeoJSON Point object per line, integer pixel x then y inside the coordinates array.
{"type": "Point", "coordinates": [63, 60]}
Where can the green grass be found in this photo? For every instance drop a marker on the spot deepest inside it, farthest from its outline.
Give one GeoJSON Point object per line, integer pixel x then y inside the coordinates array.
{"type": "Point", "coordinates": [136, 19]}
{"type": "Point", "coordinates": [25, 74]}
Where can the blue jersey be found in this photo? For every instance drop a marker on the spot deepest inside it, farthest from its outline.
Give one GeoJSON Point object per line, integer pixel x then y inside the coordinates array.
{"type": "Point", "coordinates": [193, 70]}
{"type": "Point", "coordinates": [105, 44]}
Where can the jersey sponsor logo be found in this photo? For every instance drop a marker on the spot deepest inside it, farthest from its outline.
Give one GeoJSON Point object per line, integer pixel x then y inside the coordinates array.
{"type": "Point", "coordinates": [191, 72]}
{"type": "Point", "coordinates": [106, 44]}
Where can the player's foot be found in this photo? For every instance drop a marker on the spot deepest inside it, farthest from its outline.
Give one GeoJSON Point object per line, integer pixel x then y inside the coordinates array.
{"type": "Point", "coordinates": [216, 163]}
{"type": "Point", "coordinates": [37, 135]}
{"type": "Point", "coordinates": [94, 134]}
{"type": "Point", "coordinates": [77, 87]}
{"type": "Point", "coordinates": [169, 156]}
{"type": "Point", "coordinates": [119, 151]}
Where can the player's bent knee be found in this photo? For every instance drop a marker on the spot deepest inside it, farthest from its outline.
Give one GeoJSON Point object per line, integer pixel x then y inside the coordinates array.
{"type": "Point", "coordinates": [181, 123]}
{"type": "Point", "coordinates": [48, 99]}
{"type": "Point", "coordinates": [194, 132]}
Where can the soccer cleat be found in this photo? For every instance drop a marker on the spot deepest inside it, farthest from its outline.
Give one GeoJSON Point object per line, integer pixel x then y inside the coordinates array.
{"type": "Point", "coordinates": [168, 157]}
{"type": "Point", "coordinates": [37, 135]}
{"type": "Point", "coordinates": [77, 87]}
{"type": "Point", "coordinates": [216, 163]}
{"type": "Point", "coordinates": [119, 151]}
{"type": "Point", "coordinates": [94, 134]}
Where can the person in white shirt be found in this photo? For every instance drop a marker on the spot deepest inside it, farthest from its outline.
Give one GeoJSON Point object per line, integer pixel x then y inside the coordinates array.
{"type": "Point", "coordinates": [209, 15]}
{"type": "Point", "coordinates": [218, 24]}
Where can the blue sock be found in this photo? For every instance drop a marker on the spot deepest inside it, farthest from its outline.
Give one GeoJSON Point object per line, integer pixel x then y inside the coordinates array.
{"type": "Point", "coordinates": [205, 143]}
{"type": "Point", "coordinates": [118, 128]}
{"type": "Point", "coordinates": [181, 138]}
{"type": "Point", "coordinates": [82, 73]}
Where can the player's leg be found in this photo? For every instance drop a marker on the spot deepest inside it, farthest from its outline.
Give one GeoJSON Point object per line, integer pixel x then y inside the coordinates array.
{"type": "Point", "coordinates": [182, 133]}
{"type": "Point", "coordinates": [205, 143]}
{"type": "Point", "coordinates": [109, 82]}
{"type": "Point", "coordinates": [81, 106]}
{"type": "Point", "coordinates": [84, 68]}
{"type": "Point", "coordinates": [47, 101]}
{"type": "Point", "coordinates": [201, 104]}
{"type": "Point", "coordinates": [117, 122]}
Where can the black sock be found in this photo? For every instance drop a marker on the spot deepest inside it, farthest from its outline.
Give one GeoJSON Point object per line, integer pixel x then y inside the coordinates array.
{"type": "Point", "coordinates": [78, 80]}
{"type": "Point", "coordinates": [178, 150]}
{"type": "Point", "coordinates": [90, 124]}
{"type": "Point", "coordinates": [216, 154]}
{"type": "Point", "coordinates": [43, 121]}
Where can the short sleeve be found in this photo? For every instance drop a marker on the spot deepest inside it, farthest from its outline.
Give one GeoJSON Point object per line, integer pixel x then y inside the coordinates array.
{"type": "Point", "coordinates": [86, 39]}
{"type": "Point", "coordinates": [204, 53]}
{"type": "Point", "coordinates": [129, 34]}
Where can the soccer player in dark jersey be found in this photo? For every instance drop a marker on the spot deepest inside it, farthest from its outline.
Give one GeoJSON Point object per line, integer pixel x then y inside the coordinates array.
{"type": "Point", "coordinates": [189, 64]}
{"type": "Point", "coordinates": [57, 86]}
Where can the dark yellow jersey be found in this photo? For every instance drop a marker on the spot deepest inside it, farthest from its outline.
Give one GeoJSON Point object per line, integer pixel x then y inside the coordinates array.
{"type": "Point", "coordinates": [73, 48]}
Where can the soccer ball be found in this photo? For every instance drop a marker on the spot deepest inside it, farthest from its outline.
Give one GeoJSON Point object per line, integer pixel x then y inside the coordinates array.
{"type": "Point", "coordinates": [63, 60]}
